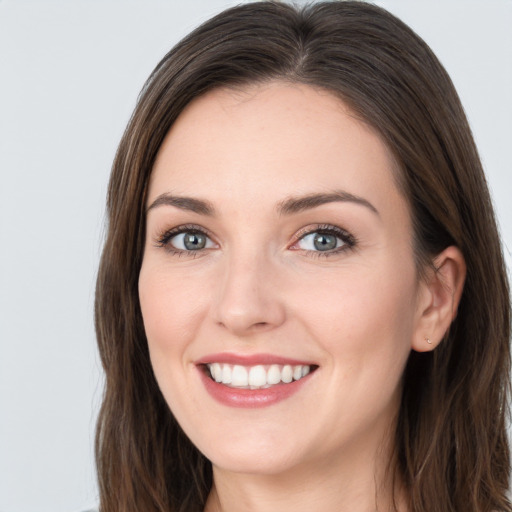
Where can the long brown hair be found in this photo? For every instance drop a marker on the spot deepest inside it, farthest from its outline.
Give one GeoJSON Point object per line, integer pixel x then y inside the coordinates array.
{"type": "Point", "coordinates": [451, 444]}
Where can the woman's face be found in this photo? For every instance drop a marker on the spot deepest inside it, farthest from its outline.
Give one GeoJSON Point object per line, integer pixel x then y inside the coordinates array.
{"type": "Point", "coordinates": [278, 259]}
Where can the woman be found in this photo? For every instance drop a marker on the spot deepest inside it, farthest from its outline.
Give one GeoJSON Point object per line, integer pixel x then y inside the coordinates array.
{"type": "Point", "coordinates": [302, 300]}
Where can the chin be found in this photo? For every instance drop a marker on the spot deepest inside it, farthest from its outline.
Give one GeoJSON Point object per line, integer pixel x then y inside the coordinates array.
{"type": "Point", "coordinates": [256, 452]}
{"type": "Point", "coordinates": [263, 464]}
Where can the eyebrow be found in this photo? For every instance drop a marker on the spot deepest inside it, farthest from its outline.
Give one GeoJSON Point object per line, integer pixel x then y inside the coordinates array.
{"type": "Point", "coordinates": [184, 203]}
{"type": "Point", "coordinates": [287, 207]}
{"type": "Point", "coordinates": [302, 203]}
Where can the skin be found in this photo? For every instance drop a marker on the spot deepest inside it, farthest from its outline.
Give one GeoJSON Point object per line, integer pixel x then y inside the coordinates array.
{"type": "Point", "coordinates": [260, 286]}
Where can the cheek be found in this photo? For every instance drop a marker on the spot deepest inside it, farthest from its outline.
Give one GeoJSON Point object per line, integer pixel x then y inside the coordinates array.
{"type": "Point", "coordinates": [171, 308]}
{"type": "Point", "coordinates": [364, 324]}
{"type": "Point", "coordinates": [364, 318]}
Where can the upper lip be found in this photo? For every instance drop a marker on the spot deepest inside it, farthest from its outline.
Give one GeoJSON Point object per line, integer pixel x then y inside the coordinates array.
{"type": "Point", "coordinates": [250, 360]}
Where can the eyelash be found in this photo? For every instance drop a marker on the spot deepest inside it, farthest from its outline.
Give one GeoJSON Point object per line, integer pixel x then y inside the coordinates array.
{"type": "Point", "coordinates": [349, 241]}
{"type": "Point", "coordinates": [164, 239]}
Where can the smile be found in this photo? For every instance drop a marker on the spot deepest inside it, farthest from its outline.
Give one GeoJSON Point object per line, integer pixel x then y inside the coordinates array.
{"type": "Point", "coordinates": [257, 376]}
{"type": "Point", "coordinates": [256, 380]}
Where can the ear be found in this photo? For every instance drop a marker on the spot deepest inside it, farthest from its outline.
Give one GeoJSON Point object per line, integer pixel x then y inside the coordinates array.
{"type": "Point", "coordinates": [438, 299]}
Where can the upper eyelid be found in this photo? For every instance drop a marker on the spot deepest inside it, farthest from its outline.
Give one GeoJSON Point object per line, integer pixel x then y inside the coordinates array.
{"type": "Point", "coordinates": [166, 235]}
{"type": "Point", "coordinates": [328, 228]}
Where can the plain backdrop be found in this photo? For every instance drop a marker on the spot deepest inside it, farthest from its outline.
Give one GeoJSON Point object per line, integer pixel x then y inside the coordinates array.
{"type": "Point", "coordinates": [70, 72]}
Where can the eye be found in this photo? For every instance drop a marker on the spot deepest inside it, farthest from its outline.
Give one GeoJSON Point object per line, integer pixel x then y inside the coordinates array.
{"type": "Point", "coordinates": [191, 241]}
{"type": "Point", "coordinates": [319, 242]}
{"type": "Point", "coordinates": [326, 239]}
{"type": "Point", "coordinates": [183, 239]}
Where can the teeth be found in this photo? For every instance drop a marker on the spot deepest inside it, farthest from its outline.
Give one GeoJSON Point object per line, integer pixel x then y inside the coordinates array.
{"type": "Point", "coordinates": [287, 374]}
{"type": "Point", "coordinates": [274, 374]}
{"type": "Point", "coordinates": [239, 377]}
{"type": "Point", "coordinates": [227, 374]}
{"type": "Point", "coordinates": [217, 372]}
{"type": "Point", "coordinates": [256, 377]}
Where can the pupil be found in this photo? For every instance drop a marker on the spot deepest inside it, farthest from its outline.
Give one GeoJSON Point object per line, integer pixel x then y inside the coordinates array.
{"type": "Point", "coordinates": [323, 242]}
{"type": "Point", "coordinates": [194, 241]}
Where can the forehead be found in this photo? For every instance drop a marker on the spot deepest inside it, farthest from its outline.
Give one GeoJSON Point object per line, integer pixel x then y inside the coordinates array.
{"type": "Point", "coordinates": [289, 138]}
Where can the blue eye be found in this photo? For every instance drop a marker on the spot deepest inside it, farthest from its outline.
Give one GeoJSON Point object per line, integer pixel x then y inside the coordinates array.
{"type": "Point", "coordinates": [185, 239]}
{"type": "Point", "coordinates": [325, 239]}
{"type": "Point", "coordinates": [190, 241]}
{"type": "Point", "coordinates": [319, 241]}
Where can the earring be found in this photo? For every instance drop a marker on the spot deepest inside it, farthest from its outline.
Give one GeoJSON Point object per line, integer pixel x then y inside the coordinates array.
{"type": "Point", "coordinates": [427, 339]}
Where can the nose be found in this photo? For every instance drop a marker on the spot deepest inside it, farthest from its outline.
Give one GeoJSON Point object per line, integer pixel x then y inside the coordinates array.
{"type": "Point", "coordinates": [249, 299]}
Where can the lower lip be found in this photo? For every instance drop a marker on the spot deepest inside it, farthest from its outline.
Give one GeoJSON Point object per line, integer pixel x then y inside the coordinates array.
{"type": "Point", "coordinates": [250, 398]}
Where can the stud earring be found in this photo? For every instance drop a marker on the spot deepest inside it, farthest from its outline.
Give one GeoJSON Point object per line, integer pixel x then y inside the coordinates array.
{"type": "Point", "coordinates": [427, 339]}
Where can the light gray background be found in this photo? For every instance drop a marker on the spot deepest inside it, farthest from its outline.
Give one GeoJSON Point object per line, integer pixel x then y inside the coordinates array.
{"type": "Point", "coordinates": [70, 72]}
